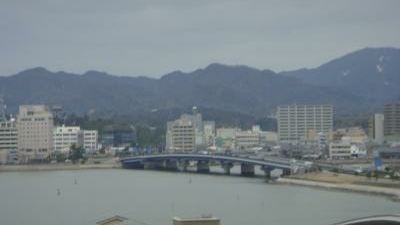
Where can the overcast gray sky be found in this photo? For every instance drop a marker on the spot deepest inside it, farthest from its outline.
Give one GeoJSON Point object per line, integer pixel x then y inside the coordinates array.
{"type": "Point", "coordinates": [151, 38]}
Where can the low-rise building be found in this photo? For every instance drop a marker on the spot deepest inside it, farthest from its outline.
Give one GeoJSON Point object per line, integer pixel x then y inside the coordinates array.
{"type": "Point", "coordinates": [66, 136]}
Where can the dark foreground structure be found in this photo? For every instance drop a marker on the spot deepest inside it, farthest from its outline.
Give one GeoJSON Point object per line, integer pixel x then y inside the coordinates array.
{"type": "Point", "coordinates": [374, 220]}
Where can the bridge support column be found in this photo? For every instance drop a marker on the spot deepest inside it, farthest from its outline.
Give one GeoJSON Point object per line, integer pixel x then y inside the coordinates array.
{"type": "Point", "coordinates": [227, 168]}
{"type": "Point", "coordinates": [183, 165]}
{"type": "Point", "coordinates": [247, 170]}
{"type": "Point", "coordinates": [171, 165]}
{"type": "Point", "coordinates": [267, 172]}
{"type": "Point", "coordinates": [285, 173]}
{"type": "Point", "coordinates": [203, 167]}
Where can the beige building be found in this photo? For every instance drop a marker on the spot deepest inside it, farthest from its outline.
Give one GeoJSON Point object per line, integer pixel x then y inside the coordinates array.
{"type": "Point", "coordinates": [196, 221]}
{"type": "Point", "coordinates": [8, 139]}
{"type": "Point", "coordinates": [392, 121]}
{"type": "Point", "coordinates": [294, 121]}
{"type": "Point", "coordinates": [375, 127]}
{"type": "Point", "coordinates": [35, 132]}
{"type": "Point", "coordinates": [180, 135]}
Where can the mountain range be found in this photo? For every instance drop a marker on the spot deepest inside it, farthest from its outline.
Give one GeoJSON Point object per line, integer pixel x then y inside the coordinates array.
{"type": "Point", "coordinates": [358, 83]}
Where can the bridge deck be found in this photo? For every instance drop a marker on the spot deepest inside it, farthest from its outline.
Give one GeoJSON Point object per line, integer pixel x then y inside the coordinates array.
{"type": "Point", "coordinates": [273, 163]}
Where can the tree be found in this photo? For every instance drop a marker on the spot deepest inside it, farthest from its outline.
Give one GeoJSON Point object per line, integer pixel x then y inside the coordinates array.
{"type": "Point", "coordinates": [77, 153]}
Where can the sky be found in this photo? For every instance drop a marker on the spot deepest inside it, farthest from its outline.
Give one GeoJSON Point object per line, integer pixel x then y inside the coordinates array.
{"type": "Point", "coordinates": [152, 38]}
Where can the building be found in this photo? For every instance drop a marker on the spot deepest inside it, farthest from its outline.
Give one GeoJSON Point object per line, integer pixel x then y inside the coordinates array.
{"type": "Point", "coordinates": [118, 135]}
{"type": "Point", "coordinates": [90, 140]}
{"type": "Point", "coordinates": [35, 132]}
{"type": "Point", "coordinates": [376, 128]}
{"type": "Point", "coordinates": [247, 139]}
{"type": "Point", "coordinates": [345, 149]}
{"type": "Point", "coordinates": [294, 121]}
{"type": "Point", "coordinates": [209, 133]}
{"type": "Point", "coordinates": [8, 140]}
{"type": "Point", "coordinates": [340, 150]}
{"type": "Point", "coordinates": [204, 133]}
{"type": "Point", "coordinates": [181, 135]}
{"type": "Point", "coordinates": [354, 134]}
{"type": "Point", "coordinates": [66, 136]}
{"type": "Point", "coordinates": [391, 127]}
{"type": "Point", "coordinates": [196, 221]}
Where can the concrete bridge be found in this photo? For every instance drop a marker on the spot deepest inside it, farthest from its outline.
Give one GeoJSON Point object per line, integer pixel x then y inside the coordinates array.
{"type": "Point", "coordinates": [173, 162]}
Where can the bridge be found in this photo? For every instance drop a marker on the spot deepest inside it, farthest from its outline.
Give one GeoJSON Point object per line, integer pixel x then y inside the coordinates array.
{"type": "Point", "coordinates": [173, 162]}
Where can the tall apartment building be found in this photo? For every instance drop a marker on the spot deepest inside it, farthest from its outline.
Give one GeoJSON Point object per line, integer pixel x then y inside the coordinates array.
{"type": "Point", "coordinates": [180, 135]}
{"type": "Point", "coordinates": [8, 139]}
{"type": "Point", "coordinates": [204, 131]}
{"type": "Point", "coordinates": [375, 127]}
{"type": "Point", "coordinates": [392, 121]}
{"type": "Point", "coordinates": [295, 121]}
{"type": "Point", "coordinates": [35, 132]}
{"type": "Point", "coordinates": [65, 136]}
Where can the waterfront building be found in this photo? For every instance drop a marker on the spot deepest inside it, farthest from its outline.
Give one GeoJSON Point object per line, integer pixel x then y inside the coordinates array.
{"type": "Point", "coordinates": [66, 136]}
{"type": "Point", "coordinates": [8, 139]}
{"type": "Point", "coordinates": [35, 132]}
{"type": "Point", "coordinates": [196, 221]}
{"type": "Point", "coordinates": [392, 122]}
{"type": "Point", "coordinates": [294, 121]}
{"type": "Point", "coordinates": [376, 128]}
{"type": "Point", "coordinates": [90, 140]}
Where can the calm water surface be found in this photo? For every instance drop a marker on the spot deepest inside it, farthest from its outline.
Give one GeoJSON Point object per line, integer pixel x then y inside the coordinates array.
{"type": "Point", "coordinates": [155, 197]}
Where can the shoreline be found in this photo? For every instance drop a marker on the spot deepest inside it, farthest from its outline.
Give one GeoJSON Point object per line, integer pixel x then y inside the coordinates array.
{"type": "Point", "coordinates": [51, 167]}
{"type": "Point", "coordinates": [391, 193]}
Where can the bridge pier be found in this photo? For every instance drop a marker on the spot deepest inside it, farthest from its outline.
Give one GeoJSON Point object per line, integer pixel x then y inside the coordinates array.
{"type": "Point", "coordinates": [183, 165]}
{"type": "Point", "coordinates": [247, 170]}
{"type": "Point", "coordinates": [285, 173]}
{"type": "Point", "coordinates": [171, 165]}
{"type": "Point", "coordinates": [227, 168]}
{"type": "Point", "coordinates": [267, 172]}
{"type": "Point", "coordinates": [203, 166]}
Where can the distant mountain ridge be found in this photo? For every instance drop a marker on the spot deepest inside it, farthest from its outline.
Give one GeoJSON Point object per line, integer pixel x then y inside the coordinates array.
{"type": "Point", "coordinates": [360, 82]}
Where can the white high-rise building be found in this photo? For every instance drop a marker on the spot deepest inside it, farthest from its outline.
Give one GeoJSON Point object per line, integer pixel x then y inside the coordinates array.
{"type": "Point", "coordinates": [294, 121]}
{"type": "Point", "coordinates": [35, 132]}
